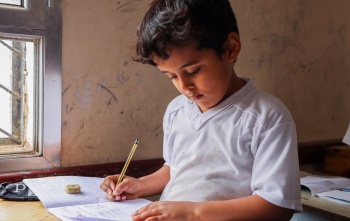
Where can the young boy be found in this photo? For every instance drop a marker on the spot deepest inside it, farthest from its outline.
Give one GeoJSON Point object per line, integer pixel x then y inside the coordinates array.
{"type": "Point", "coordinates": [230, 150]}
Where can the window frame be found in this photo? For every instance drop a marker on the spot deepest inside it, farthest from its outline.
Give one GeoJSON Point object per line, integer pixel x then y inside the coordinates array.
{"type": "Point", "coordinates": [40, 19]}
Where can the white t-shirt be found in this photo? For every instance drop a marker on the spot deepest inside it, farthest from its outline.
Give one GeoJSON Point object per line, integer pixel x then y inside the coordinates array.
{"type": "Point", "coordinates": [245, 145]}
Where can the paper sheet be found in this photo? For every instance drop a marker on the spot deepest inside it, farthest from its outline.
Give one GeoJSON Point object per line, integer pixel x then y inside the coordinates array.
{"type": "Point", "coordinates": [100, 211]}
{"type": "Point", "coordinates": [324, 184]}
{"type": "Point", "coordinates": [51, 190]}
{"type": "Point", "coordinates": [89, 205]}
{"type": "Point", "coordinates": [338, 195]}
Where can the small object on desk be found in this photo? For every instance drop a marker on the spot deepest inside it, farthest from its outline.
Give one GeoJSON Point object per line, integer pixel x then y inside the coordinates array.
{"type": "Point", "coordinates": [121, 176]}
{"type": "Point", "coordinates": [16, 191]}
{"type": "Point", "coordinates": [72, 189]}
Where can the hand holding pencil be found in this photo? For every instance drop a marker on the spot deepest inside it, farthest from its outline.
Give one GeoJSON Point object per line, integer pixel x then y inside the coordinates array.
{"type": "Point", "coordinates": [126, 165]}
{"type": "Point", "coordinates": [110, 184]}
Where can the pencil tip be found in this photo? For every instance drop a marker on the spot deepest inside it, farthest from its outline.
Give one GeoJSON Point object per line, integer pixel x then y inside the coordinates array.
{"type": "Point", "coordinates": [137, 141]}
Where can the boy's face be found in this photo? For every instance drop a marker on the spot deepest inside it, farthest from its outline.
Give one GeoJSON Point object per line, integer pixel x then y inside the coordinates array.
{"type": "Point", "coordinates": [200, 75]}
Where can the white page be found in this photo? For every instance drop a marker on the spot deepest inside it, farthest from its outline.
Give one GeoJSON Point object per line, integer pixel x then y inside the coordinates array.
{"type": "Point", "coordinates": [341, 196]}
{"type": "Point", "coordinates": [51, 190]}
{"type": "Point", "coordinates": [118, 211]}
{"type": "Point", "coordinates": [323, 184]}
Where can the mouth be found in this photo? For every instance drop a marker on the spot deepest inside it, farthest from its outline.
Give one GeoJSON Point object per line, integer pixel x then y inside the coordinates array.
{"type": "Point", "coordinates": [196, 97]}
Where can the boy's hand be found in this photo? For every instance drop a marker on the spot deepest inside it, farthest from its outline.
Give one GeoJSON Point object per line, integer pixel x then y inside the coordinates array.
{"type": "Point", "coordinates": [162, 211]}
{"type": "Point", "coordinates": [128, 189]}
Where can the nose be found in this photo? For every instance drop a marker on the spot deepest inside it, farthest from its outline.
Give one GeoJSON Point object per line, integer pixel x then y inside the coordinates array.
{"type": "Point", "coordinates": [186, 84]}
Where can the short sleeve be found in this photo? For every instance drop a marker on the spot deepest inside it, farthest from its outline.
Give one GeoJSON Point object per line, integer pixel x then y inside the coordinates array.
{"type": "Point", "coordinates": [275, 175]}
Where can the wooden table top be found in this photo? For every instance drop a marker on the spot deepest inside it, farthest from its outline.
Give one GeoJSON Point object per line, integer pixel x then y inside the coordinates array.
{"type": "Point", "coordinates": [24, 210]}
{"type": "Point", "coordinates": [34, 210]}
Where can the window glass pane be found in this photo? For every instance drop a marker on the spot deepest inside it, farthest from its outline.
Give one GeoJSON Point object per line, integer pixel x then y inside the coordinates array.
{"type": "Point", "coordinates": [5, 83]}
{"type": "Point", "coordinates": [11, 2]}
{"type": "Point", "coordinates": [17, 80]}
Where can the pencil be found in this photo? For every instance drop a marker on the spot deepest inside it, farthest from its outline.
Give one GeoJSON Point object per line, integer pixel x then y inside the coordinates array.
{"type": "Point", "coordinates": [126, 165]}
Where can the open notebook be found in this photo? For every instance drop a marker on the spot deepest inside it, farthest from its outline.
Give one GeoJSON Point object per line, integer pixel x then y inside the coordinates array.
{"type": "Point", "coordinates": [90, 204]}
{"type": "Point", "coordinates": [332, 188]}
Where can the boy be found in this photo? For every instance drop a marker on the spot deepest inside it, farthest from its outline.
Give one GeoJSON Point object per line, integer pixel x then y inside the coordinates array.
{"type": "Point", "coordinates": [230, 150]}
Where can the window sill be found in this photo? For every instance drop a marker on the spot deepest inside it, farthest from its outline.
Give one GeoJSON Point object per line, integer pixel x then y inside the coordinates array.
{"type": "Point", "coordinates": [136, 169]}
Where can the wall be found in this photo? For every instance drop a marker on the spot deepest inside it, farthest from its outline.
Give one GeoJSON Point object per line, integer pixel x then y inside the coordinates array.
{"type": "Point", "coordinates": [108, 101]}
{"type": "Point", "coordinates": [300, 51]}
{"type": "Point", "coordinates": [297, 50]}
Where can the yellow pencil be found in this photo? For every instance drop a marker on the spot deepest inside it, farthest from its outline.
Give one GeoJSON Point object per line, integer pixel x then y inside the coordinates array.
{"type": "Point", "coordinates": [121, 176]}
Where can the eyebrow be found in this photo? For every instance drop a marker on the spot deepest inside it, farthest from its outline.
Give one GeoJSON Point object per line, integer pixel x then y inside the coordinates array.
{"type": "Point", "coordinates": [183, 66]}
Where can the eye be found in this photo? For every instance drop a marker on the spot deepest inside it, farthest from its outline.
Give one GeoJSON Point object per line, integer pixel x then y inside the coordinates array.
{"type": "Point", "coordinates": [194, 72]}
{"type": "Point", "coordinates": [172, 77]}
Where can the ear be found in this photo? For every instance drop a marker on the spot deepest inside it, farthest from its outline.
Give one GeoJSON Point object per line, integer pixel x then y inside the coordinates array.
{"type": "Point", "coordinates": [232, 46]}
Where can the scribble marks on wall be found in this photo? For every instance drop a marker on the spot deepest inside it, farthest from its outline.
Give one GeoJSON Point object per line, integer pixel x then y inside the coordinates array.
{"type": "Point", "coordinates": [129, 6]}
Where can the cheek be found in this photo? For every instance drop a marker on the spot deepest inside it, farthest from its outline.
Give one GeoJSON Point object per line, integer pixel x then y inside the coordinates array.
{"type": "Point", "coordinates": [210, 81]}
{"type": "Point", "coordinates": [215, 86]}
{"type": "Point", "coordinates": [177, 86]}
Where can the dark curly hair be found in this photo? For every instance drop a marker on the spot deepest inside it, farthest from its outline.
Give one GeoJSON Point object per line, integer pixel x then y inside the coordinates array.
{"type": "Point", "coordinates": [174, 22]}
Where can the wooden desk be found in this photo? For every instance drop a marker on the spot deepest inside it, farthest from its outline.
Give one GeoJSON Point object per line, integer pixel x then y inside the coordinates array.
{"type": "Point", "coordinates": [31, 210]}
{"type": "Point", "coordinates": [24, 211]}
{"type": "Point", "coordinates": [34, 210]}
{"type": "Point", "coordinates": [323, 207]}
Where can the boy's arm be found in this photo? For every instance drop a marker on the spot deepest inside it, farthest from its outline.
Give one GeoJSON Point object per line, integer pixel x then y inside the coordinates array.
{"type": "Point", "coordinates": [155, 183]}
{"type": "Point", "coordinates": [245, 208]}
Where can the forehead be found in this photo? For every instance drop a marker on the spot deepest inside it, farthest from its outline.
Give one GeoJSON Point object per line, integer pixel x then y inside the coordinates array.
{"type": "Point", "coordinates": [181, 54]}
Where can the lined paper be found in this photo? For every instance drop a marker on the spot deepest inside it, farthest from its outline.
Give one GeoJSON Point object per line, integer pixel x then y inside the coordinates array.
{"type": "Point", "coordinates": [90, 205]}
{"type": "Point", "coordinates": [51, 190]}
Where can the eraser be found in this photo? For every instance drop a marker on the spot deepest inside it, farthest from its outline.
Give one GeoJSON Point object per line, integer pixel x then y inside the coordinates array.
{"type": "Point", "coordinates": [72, 188]}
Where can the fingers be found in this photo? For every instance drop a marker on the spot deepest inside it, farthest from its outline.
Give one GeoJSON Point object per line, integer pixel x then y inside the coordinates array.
{"type": "Point", "coordinates": [165, 211]}
{"type": "Point", "coordinates": [124, 190]}
{"type": "Point", "coordinates": [141, 214]}
{"type": "Point", "coordinates": [150, 212]}
{"type": "Point", "coordinates": [122, 187]}
{"type": "Point", "coordinates": [120, 197]}
{"type": "Point", "coordinates": [127, 189]}
{"type": "Point", "coordinates": [108, 185]}
{"type": "Point", "coordinates": [113, 197]}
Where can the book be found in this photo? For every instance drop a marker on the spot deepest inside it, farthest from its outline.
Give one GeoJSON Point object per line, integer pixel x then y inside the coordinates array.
{"type": "Point", "coordinates": [90, 204]}
{"type": "Point", "coordinates": [339, 196]}
{"type": "Point", "coordinates": [336, 189]}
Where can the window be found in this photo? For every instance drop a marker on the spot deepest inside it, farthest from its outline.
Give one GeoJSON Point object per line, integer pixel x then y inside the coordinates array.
{"type": "Point", "coordinates": [17, 82]}
{"type": "Point", "coordinates": [11, 2]}
{"type": "Point", "coordinates": [30, 84]}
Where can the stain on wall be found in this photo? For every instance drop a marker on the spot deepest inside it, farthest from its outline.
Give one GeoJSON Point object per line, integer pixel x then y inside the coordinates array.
{"type": "Point", "coordinates": [297, 50]}
{"type": "Point", "coordinates": [108, 100]}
